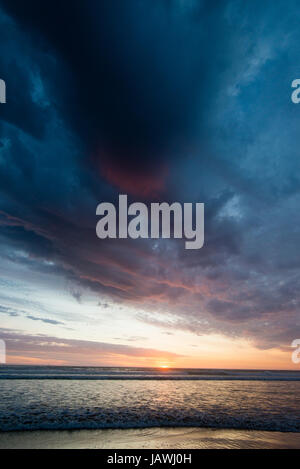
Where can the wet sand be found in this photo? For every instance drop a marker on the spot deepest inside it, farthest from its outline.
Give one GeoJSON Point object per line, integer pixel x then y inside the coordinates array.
{"type": "Point", "coordinates": [151, 438]}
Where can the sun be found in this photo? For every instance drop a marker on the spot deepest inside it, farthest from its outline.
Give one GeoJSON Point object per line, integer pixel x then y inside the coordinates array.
{"type": "Point", "coordinates": [164, 366]}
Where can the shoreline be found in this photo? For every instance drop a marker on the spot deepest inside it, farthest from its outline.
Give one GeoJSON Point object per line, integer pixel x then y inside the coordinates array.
{"type": "Point", "coordinates": [150, 438]}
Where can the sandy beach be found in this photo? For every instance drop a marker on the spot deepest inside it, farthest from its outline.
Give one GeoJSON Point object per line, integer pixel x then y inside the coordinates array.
{"type": "Point", "coordinates": [151, 438]}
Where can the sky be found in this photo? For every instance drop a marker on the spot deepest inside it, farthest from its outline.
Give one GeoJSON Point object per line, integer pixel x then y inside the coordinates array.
{"type": "Point", "coordinates": [172, 100]}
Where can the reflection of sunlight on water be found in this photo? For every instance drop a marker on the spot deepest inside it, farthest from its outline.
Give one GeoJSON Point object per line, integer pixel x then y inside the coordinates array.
{"type": "Point", "coordinates": [151, 438]}
{"type": "Point", "coordinates": [71, 404]}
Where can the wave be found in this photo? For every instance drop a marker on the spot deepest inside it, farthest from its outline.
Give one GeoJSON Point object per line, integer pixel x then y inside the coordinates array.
{"type": "Point", "coordinates": [55, 404]}
{"type": "Point", "coordinates": [102, 373]}
{"type": "Point", "coordinates": [154, 378]}
{"type": "Point", "coordinates": [204, 421]}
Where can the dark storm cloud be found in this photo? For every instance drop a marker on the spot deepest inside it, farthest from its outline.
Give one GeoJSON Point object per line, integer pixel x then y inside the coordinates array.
{"type": "Point", "coordinates": [196, 100]}
{"type": "Point", "coordinates": [136, 82]}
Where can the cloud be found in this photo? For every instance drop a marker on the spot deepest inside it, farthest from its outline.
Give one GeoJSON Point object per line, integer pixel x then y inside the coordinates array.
{"type": "Point", "coordinates": [39, 346]}
{"type": "Point", "coordinates": [161, 100]}
{"type": "Point", "coordinates": [12, 312]}
{"type": "Point", "coordinates": [46, 321]}
{"type": "Point", "coordinates": [76, 293]}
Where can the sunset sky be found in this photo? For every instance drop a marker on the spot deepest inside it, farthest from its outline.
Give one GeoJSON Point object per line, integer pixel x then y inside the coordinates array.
{"type": "Point", "coordinates": [168, 100]}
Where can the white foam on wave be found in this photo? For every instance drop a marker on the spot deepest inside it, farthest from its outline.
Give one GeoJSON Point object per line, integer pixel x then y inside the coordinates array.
{"type": "Point", "coordinates": [103, 373]}
{"type": "Point", "coordinates": [118, 421]}
{"type": "Point", "coordinates": [139, 398]}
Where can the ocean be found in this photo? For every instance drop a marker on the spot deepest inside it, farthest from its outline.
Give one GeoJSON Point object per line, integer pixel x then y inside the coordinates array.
{"type": "Point", "coordinates": [69, 398]}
